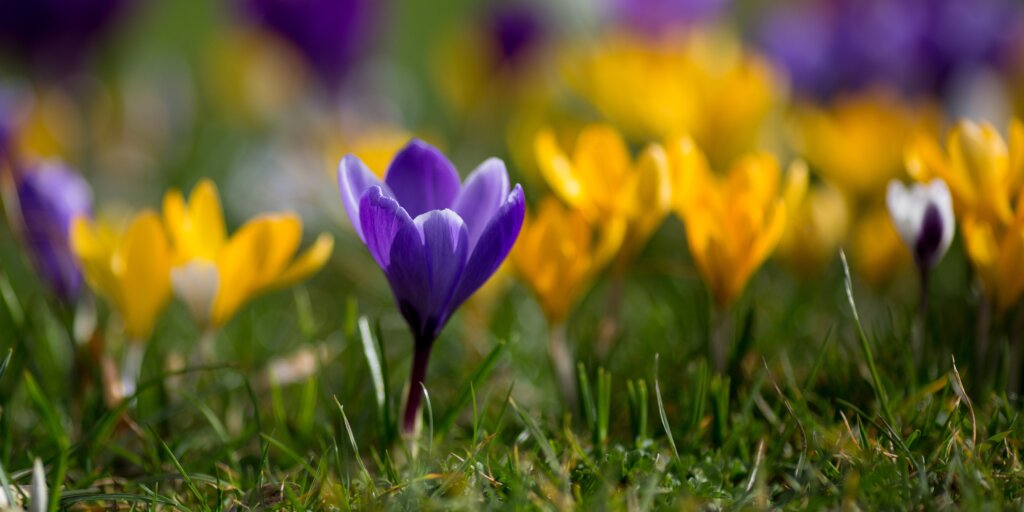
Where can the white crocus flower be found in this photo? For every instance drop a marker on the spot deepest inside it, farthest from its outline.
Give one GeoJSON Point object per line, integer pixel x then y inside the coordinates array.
{"type": "Point", "coordinates": [923, 217]}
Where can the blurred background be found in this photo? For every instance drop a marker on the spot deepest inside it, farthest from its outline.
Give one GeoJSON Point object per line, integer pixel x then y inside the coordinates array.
{"type": "Point", "coordinates": [265, 96]}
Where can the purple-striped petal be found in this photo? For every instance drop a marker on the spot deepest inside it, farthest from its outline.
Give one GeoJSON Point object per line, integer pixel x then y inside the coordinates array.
{"type": "Point", "coordinates": [481, 196]}
{"type": "Point", "coordinates": [354, 179]}
{"type": "Point", "coordinates": [381, 219]}
{"type": "Point", "coordinates": [427, 260]}
{"type": "Point", "coordinates": [422, 179]}
{"type": "Point", "coordinates": [493, 246]}
{"type": "Point", "coordinates": [446, 248]}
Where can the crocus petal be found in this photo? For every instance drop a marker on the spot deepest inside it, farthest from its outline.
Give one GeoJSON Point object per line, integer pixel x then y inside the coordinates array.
{"type": "Point", "coordinates": [207, 219]}
{"type": "Point", "coordinates": [196, 283]}
{"type": "Point", "coordinates": [145, 278]}
{"type": "Point", "coordinates": [422, 179]}
{"type": "Point", "coordinates": [382, 218]}
{"type": "Point", "coordinates": [50, 198]}
{"type": "Point", "coordinates": [493, 246]}
{"type": "Point", "coordinates": [309, 263]}
{"type": "Point", "coordinates": [446, 247]}
{"type": "Point", "coordinates": [256, 254]}
{"type": "Point", "coordinates": [906, 210]}
{"type": "Point", "coordinates": [481, 196]}
{"type": "Point", "coordinates": [354, 179]}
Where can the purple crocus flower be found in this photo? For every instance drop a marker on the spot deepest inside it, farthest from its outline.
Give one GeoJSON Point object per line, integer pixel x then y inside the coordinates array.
{"type": "Point", "coordinates": [329, 34]}
{"type": "Point", "coordinates": [656, 17]}
{"type": "Point", "coordinates": [916, 46]}
{"type": "Point", "coordinates": [50, 197]}
{"type": "Point", "coordinates": [437, 240]}
{"type": "Point", "coordinates": [55, 33]}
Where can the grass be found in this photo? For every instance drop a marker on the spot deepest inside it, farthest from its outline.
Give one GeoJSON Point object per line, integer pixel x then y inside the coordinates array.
{"type": "Point", "coordinates": [825, 417]}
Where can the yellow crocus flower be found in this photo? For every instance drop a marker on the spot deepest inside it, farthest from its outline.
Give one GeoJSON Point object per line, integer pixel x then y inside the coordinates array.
{"type": "Point", "coordinates": [996, 253]}
{"type": "Point", "coordinates": [982, 170]}
{"type": "Point", "coordinates": [130, 267]}
{"type": "Point", "coordinates": [704, 82]}
{"type": "Point", "coordinates": [857, 143]}
{"type": "Point", "coordinates": [602, 182]}
{"type": "Point", "coordinates": [559, 252]}
{"type": "Point", "coordinates": [817, 224]}
{"type": "Point", "coordinates": [877, 251]}
{"type": "Point", "coordinates": [733, 221]}
{"type": "Point", "coordinates": [214, 274]}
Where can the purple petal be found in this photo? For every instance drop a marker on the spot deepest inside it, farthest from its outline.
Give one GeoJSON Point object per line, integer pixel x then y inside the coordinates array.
{"type": "Point", "coordinates": [422, 179]}
{"type": "Point", "coordinates": [381, 219]}
{"type": "Point", "coordinates": [354, 179]}
{"type": "Point", "coordinates": [51, 196]}
{"type": "Point", "coordinates": [481, 196]}
{"type": "Point", "coordinates": [494, 245]}
{"type": "Point", "coordinates": [446, 248]}
{"type": "Point", "coordinates": [427, 260]}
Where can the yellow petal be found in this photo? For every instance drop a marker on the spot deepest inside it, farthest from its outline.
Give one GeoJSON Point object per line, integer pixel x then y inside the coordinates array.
{"type": "Point", "coordinates": [145, 262]}
{"type": "Point", "coordinates": [95, 255]}
{"type": "Point", "coordinates": [175, 220]}
{"type": "Point", "coordinates": [602, 164]}
{"type": "Point", "coordinates": [207, 220]}
{"type": "Point", "coordinates": [254, 256]}
{"type": "Point", "coordinates": [797, 178]}
{"type": "Point", "coordinates": [308, 263]}
{"type": "Point", "coordinates": [558, 172]}
{"type": "Point", "coordinates": [689, 169]}
{"type": "Point", "coordinates": [651, 197]}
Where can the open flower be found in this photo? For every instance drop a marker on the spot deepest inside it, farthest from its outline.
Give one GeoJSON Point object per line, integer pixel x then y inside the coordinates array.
{"type": "Point", "coordinates": [982, 171]}
{"type": "Point", "coordinates": [437, 240]}
{"type": "Point", "coordinates": [733, 221]}
{"type": "Point", "coordinates": [214, 274]}
{"type": "Point", "coordinates": [129, 267]}
{"type": "Point", "coordinates": [50, 196]}
{"type": "Point", "coordinates": [923, 217]}
{"type": "Point", "coordinates": [559, 252]}
{"type": "Point", "coordinates": [602, 182]}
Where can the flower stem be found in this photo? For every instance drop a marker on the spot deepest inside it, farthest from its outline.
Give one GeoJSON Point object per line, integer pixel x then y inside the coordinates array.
{"type": "Point", "coordinates": [921, 327]}
{"type": "Point", "coordinates": [561, 361]}
{"type": "Point", "coordinates": [981, 363]}
{"type": "Point", "coordinates": [420, 357]}
{"type": "Point", "coordinates": [131, 367]}
{"type": "Point", "coordinates": [720, 339]}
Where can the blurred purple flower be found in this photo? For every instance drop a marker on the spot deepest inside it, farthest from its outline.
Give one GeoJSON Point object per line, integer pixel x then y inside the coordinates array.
{"type": "Point", "coordinates": [55, 34]}
{"type": "Point", "coordinates": [437, 240]}
{"type": "Point", "coordinates": [655, 17]}
{"type": "Point", "coordinates": [51, 196]}
{"type": "Point", "coordinates": [330, 34]}
{"type": "Point", "coordinates": [912, 45]}
{"type": "Point", "coordinates": [516, 30]}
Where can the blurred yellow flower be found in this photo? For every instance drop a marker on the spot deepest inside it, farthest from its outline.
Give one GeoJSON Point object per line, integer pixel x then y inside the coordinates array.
{"type": "Point", "coordinates": [733, 221]}
{"type": "Point", "coordinates": [130, 268]}
{"type": "Point", "coordinates": [559, 252]}
{"type": "Point", "coordinates": [256, 78]}
{"type": "Point", "coordinates": [704, 83]}
{"type": "Point", "coordinates": [996, 251]}
{"type": "Point", "coordinates": [374, 145]}
{"type": "Point", "coordinates": [982, 171]}
{"type": "Point", "coordinates": [877, 251]}
{"type": "Point", "coordinates": [214, 274]}
{"type": "Point", "coordinates": [817, 225]}
{"type": "Point", "coordinates": [857, 143]}
{"type": "Point", "coordinates": [602, 182]}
